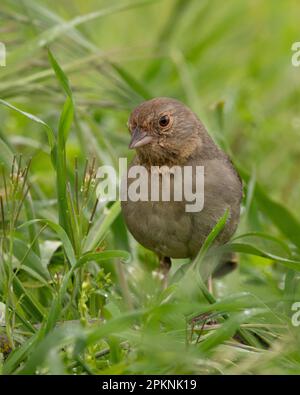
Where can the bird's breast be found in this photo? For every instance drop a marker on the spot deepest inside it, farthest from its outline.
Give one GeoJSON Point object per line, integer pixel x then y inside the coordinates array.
{"type": "Point", "coordinates": [166, 227]}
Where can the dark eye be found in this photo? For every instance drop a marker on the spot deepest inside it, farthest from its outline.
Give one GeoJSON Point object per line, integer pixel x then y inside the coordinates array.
{"type": "Point", "coordinates": [164, 121]}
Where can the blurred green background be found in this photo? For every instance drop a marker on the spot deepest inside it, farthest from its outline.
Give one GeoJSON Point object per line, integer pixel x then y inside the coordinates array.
{"type": "Point", "coordinates": [231, 63]}
{"type": "Point", "coordinates": [200, 52]}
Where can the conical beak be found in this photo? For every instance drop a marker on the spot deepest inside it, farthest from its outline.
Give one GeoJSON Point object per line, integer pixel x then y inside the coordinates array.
{"type": "Point", "coordinates": [139, 138]}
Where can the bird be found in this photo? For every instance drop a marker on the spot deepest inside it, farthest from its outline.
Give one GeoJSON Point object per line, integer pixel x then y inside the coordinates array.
{"type": "Point", "coordinates": [166, 133]}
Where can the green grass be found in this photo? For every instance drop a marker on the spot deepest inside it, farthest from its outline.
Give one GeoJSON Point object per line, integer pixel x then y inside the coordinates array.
{"type": "Point", "coordinates": [77, 293]}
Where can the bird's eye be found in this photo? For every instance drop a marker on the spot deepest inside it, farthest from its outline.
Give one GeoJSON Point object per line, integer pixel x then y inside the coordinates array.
{"type": "Point", "coordinates": [164, 121]}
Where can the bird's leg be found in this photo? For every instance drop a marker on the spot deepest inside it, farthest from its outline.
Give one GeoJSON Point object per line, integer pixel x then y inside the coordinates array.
{"type": "Point", "coordinates": [227, 264]}
{"type": "Point", "coordinates": [164, 268]}
{"type": "Point", "coordinates": [210, 284]}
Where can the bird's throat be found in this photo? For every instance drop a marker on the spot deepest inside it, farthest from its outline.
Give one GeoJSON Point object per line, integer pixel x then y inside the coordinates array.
{"type": "Point", "coordinates": [167, 154]}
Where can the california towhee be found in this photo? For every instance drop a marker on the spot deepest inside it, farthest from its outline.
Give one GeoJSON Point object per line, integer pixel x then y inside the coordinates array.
{"type": "Point", "coordinates": [165, 132]}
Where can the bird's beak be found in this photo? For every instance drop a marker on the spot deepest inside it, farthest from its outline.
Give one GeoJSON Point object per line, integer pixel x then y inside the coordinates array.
{"type": "Point", "coordinates": [139, 138]}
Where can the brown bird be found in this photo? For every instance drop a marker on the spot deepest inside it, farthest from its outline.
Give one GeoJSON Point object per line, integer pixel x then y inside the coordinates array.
{"type": "Point", "coordinates": [165, 132]}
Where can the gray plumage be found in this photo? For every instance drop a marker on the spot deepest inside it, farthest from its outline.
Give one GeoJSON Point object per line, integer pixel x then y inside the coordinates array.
{"type": "Point", "coordinates": [166, 227]}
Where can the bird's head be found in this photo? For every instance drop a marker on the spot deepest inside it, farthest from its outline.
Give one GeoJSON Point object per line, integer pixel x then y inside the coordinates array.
{"type": "Point", "coordinates": [163, 130]}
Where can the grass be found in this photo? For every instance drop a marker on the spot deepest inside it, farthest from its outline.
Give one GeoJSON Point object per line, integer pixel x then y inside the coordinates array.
{"type": "Point", "coordinates": [77, 293]}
